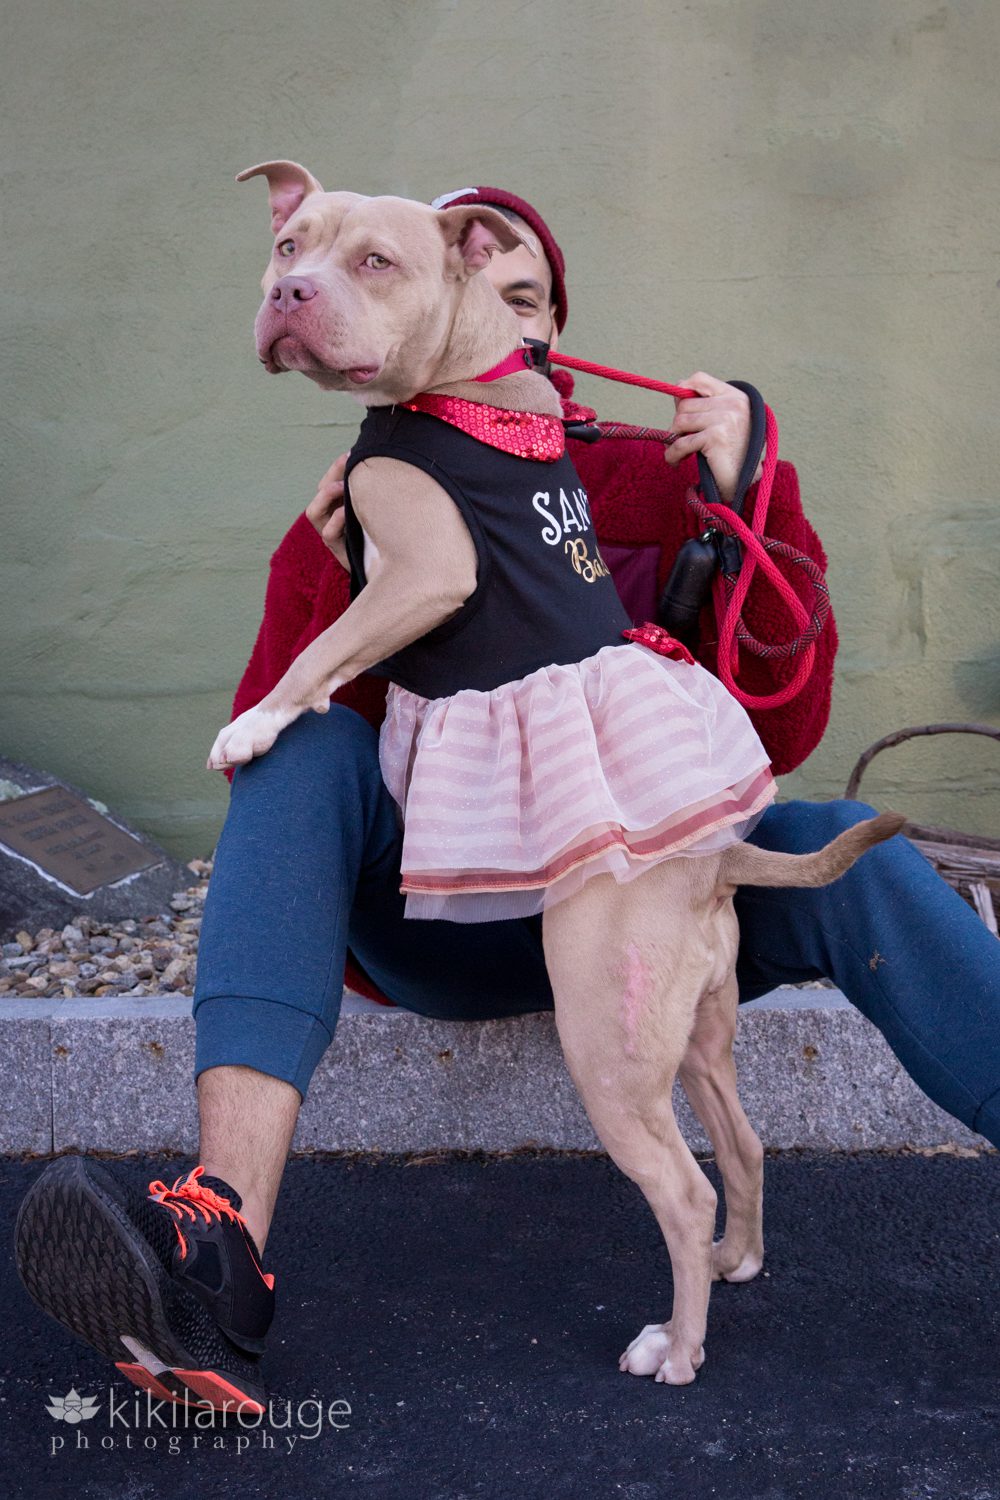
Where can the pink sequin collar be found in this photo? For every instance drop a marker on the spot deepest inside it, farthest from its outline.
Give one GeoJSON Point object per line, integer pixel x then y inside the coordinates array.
{"type": "Point", "coordinates": [526, 434]}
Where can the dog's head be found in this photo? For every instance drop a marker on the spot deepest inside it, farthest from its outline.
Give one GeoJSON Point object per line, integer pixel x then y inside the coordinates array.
{"type": "Point", "coordinates": [363, 294]}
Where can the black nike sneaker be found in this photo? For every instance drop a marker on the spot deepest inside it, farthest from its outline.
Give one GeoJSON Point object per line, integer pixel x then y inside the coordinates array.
{"type": "Point", "coordinates": [167, 1284]}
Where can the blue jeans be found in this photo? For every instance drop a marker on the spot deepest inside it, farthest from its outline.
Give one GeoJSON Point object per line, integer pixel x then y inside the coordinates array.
{"type": "Point", "coordinates": [308, 861]}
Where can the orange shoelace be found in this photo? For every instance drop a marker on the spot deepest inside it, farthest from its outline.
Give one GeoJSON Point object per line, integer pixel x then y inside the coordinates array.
{"type": "Point", "coordinates": [189, 1196]}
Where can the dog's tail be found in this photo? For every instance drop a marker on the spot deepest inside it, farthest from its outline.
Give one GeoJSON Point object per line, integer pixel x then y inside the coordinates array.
{"type": "Point", "coordinates": [745, 864]}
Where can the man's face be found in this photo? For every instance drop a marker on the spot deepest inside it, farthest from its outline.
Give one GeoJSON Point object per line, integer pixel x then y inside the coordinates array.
{"type": "Point", "coordinates": [524, 281]}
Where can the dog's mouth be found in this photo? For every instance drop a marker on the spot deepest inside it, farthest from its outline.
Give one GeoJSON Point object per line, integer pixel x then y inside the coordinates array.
{"type": "Point", "coordinates": [289, 353]}
{"type": "Point", "coordinates": [362, 374]}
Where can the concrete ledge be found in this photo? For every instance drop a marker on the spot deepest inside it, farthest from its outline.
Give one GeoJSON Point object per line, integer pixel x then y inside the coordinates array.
{"type": "Point", "coordinates": [117, 1076]}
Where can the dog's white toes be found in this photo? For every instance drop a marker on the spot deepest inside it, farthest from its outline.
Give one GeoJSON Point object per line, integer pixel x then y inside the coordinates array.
{"type": "Point", "coordinates": [652, 1352]}
{"type": "Point", "coordinates": [647, 1351]}
{"type": "Point", "coordinates": [677, 1371]}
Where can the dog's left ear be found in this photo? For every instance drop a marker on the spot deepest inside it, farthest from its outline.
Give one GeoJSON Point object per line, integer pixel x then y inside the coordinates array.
{"type": "Point", "coordinates": [287, 185]}
{"type": "Point", "coordinates": [472, 232]}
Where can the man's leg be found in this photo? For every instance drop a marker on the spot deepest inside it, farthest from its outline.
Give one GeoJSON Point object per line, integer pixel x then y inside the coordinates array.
{"type": "Point", "coordinates": [164, 1281]}
{"type": "Point", "coordinates": [901, 945]}
{"type": "Point", "coordinates": [455, 971]}
{"type": "Point", "coordinates": [246, 1123]}
{"type": "Point", "coordinates": [272, 944]}
{"type": "Point", "coordinates": [307, 862]}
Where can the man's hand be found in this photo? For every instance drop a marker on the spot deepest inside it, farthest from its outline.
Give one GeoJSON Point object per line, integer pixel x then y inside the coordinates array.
{"type": "Point", "coordinates": [716, 423]}
{"type": "Point", "coordinates": [326, 510]}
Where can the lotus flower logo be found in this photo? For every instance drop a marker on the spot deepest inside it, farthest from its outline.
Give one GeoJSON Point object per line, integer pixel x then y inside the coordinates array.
{"type": "Point", "coordinates": [73, 1408]}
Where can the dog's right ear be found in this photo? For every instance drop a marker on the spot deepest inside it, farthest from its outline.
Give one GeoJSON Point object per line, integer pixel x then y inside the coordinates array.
{"type": "Point", "coordinates": [472, 232]}
{"type": "Point", "coordinates": [287, 185]}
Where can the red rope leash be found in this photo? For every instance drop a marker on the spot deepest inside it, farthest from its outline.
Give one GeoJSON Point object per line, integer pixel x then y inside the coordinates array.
{"type": "Point", "coordinates": [607, 373]}
{"type": "Point", "coordinates": [730, 591]}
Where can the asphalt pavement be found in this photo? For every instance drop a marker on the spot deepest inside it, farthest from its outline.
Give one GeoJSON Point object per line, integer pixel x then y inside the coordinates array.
{"type": "Point", "coordinates": [449, 1328]}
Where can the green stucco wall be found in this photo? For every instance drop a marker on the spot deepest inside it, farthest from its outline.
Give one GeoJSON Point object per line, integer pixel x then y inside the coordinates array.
{"type": "Point", "coordinates": [801, 193]}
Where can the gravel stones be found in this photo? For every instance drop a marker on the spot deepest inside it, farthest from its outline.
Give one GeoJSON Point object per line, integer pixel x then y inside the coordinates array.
{"type": "Point", "coordinates": [154, 955]}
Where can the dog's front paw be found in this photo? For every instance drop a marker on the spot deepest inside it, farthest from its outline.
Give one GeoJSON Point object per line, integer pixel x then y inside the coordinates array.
{"type": "Point", "coordinates": [656, 1352]}
{"type": "Point", "coordinates": [253, 733]}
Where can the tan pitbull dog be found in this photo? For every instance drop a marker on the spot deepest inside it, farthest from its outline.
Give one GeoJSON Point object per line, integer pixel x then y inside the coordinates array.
{"type": "Point", "coordinates": [380, 297]}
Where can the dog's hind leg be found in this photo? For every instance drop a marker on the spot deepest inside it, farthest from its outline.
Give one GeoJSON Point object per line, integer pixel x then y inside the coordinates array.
{"type": "Point", "coordinates": [626, 964]}
{"type": "Point", "coordinates": [708, 1075]}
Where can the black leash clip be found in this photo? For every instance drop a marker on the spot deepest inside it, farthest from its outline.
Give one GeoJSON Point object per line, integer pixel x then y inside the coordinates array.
{"type": "Point", "coordinates": [539, 351]}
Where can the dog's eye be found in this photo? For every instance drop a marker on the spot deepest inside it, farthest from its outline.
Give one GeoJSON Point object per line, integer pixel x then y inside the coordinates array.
{"type": "Point", "coordinates": [376, 262]}
{"type": "Point", "coordinates": [287, 247]}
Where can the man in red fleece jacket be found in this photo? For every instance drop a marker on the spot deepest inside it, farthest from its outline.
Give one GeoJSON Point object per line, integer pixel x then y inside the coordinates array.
{"type": "Point", "coordinates": [305, 886]}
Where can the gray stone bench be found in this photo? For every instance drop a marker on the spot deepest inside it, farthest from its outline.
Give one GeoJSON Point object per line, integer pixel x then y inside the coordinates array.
{"type": "Point", "coordinates": [116, 1076]}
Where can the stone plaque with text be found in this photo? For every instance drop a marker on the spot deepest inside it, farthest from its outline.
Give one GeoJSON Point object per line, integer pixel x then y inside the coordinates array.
{"type": "Point", "coordinates": [70, 840]}
{"type": "Point", "coordinates": [64, 854]}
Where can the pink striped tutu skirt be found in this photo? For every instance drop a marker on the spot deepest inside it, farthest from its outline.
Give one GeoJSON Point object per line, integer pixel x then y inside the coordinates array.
{"type": "Point", "coordinates": [510, 800]}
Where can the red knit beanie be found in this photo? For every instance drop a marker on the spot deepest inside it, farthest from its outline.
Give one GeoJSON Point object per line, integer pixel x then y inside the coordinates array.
{"type": "Point", "coordinates": [496, 197]}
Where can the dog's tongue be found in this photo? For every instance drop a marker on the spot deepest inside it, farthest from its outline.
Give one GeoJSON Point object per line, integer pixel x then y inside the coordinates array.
{"type": "Point", "coordinates": [362, 374]}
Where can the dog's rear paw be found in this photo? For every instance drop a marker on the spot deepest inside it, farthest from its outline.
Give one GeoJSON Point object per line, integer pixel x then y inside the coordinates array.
{"type": "Point", "coordinates": [740, 1265]}
{"type": "Point", "coordinates": [655, 1352]}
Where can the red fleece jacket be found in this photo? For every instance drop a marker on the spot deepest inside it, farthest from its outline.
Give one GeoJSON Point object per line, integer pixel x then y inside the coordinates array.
{"type": "Point", "coordinates": [638, 507]}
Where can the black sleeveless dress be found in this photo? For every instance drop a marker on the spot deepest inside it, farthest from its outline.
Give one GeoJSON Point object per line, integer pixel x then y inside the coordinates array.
{"type": "Point", "coordinates": [527, 744]}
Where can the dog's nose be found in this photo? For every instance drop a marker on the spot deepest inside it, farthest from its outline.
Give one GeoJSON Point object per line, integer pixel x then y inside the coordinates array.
{"type": "Point", "coordinates": [287, 293]}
